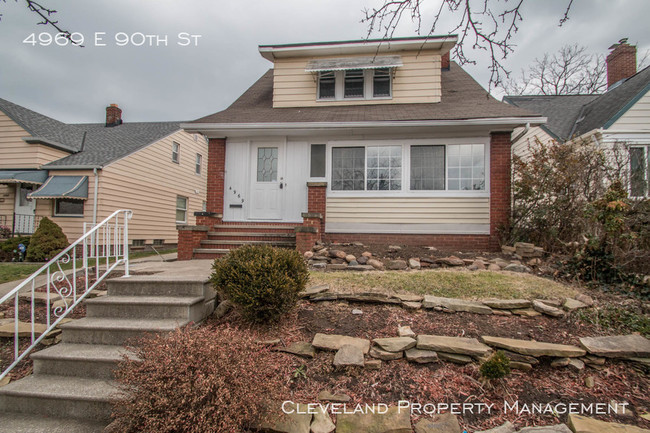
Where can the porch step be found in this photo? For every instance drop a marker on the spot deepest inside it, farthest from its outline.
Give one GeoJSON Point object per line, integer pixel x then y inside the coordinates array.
{"type": "Point", "coordinates": [239, 243]}
{"type": "Point", "coordinates": [155, 286]}
{"type": "Point", "coordinates": [287, 228]}
{"type": "Point", "coordinates": [112, 331]}
{"type": "Point", "coordinates": [252, 234]}
{"type": "Point", "coordinates": [80, 360]}
{"type": "Point", "coordinates": [61, 396]}
{"type": "Point", "coordinates": [146, 307]}
{"type": "Point", "coordinates": [23, 423]}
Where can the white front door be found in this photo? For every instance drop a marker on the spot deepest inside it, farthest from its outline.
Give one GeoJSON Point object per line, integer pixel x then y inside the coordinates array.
{"type": "Point", "coordinates": [24, 210]}
{"type": "Point", "coordinates": [267, 183]}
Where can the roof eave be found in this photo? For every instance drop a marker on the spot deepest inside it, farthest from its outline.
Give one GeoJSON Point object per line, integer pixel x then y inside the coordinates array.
{"type": "Point", "coordinates": [72, 167]}
{"type": "Point", "coordinates": [49, 143]}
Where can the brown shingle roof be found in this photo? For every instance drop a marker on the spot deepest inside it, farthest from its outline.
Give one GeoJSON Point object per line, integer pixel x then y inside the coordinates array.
{"type": "Point", "coordinates": [462, 98]}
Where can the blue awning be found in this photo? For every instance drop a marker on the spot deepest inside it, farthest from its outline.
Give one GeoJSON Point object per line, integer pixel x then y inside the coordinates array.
{"type": "Point", "coordinates": [36, 177]}
{"type": "Point", "coordinates": [74, 187]}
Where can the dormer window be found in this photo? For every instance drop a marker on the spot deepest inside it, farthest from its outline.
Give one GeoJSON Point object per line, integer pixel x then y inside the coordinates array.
{"type": "Point", "coordinates": [326, 85]}
{"type": "Point", "coordinates": [354, 83]}
{"type": "Point", "coordinates": [381, 83]}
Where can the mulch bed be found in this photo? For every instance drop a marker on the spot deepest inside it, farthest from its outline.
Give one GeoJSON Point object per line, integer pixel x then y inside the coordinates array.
{"type": "Point", "coordinates": [445, 382]}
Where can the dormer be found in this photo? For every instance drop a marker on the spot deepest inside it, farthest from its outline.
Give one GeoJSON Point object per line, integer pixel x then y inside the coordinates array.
{"type": "Point", "coordinates": [364, 72]}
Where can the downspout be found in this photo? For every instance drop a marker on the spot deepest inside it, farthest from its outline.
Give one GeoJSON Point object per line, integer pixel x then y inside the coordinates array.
{"type": "Point", "coordinates": [95, 197]}
{"type": "Point", "coordinates": [522, 133]}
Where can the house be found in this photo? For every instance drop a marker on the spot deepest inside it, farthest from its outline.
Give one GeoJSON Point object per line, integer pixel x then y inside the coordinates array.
{"type": "Point", "coordinates": [619, 116]}
{"type": "Point", "coordinates": [374, 141]}
{"type": "Point", "coordinates": [81, 173]}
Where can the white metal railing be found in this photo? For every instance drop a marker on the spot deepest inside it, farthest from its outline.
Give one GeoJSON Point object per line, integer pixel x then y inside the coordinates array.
{"type": "Point", "coordinates": [107, 244]}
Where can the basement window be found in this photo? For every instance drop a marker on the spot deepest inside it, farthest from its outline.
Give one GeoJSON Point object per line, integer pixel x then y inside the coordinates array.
{"type": "Point", "coordinates": [138, 242]}
{"type": "Point", "coordinates": [158, 242]}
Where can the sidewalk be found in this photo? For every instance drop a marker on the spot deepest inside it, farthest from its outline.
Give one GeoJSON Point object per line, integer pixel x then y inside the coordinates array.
{"type": "Point", "coordinates": [135, 264]}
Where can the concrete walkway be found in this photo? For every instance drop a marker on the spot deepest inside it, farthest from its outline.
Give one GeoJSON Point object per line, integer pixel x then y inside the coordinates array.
{"type": "Point", "coordinates": [154, 262]}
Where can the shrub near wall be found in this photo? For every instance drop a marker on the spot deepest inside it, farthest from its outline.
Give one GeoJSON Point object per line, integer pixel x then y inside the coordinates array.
{"type": "Point", "coordinates": [47, 241]}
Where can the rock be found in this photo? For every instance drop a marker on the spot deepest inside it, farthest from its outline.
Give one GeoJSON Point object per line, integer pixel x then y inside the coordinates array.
{"type": "Point", "coordinates": [560, 362]}
{"type": "Point", "coordinates": [479, 265]}
{"type": "Point", "coordinates": [412, 305]}
{"type": "Point", "coordinates": [314, 290]}
{"type": "Point", "coordinates": [308, 254]}
{"type": "Point", "coordinates": [337, 266]}
{"type": "Point", "coordinates": [318, 247]}
{"type": "Point", "coordinates": [409, 297]}
{"type": "Point", "coordinates": [376, 264]}
{"type": "Point", "coordinates": [505, 428]}
{"type": "Point", "coordinates": [324, 297]}
{"type": "Point", "coordinates": [524, 366]}
{"type": "Point", "coordinates": [502, 313]}
{"type": "Point", "coordinates": [357, 312]}
{"type": "Point", "coordinates": [269, 342]}
{"type": "Point", "coordinates": [421, 356]}
{"type": "Point", "coordinates": [373, 298]}
{"type": "Point", "coordinates": [451, 261]}
{"type": "Point", "coordinates": [328, 396]}
{"type": "Point", "coordinates": [507, 304]}
{"type": "Point", "coordinates": [366, 254]}
{"type": "Point", "coordinates": [5, 381]}
{"type": "Point", "coordinates": [534, 348]}
{"type": "Point", "coordinates": [534, 262]}
{"type": "Point", "coordinates": [583, 424]}
{"type": "Point", "coordinates": [362, 268]}
{"type": "Point", "coordinates": [321, 422]}
{"type": "Point", "coordinates": [514, 267]}
{"type": "Point", "coordinates": [557, 303]}
{"type": "Point", "coordinates": [454, 304]}
{"type": "Point", "coordinates": [373, 364]}
{"type": "Point", "coordinates": [508, 250]}
{"type": "Point", "coordinates": [518, 357]}
{"type": "Point", "coordinates": [40, 298]}
{"type": "Point", "coordinates": [300, 348]}
{"type": "Point", "coordinates": [593, 360]}
{"type": "Point", "coordinates": [335, 342]}
{"type": "Point", "coordinates": [385, 355]}
{"type": "Point", "coordinates": [24, 329]}
{"type": "Point", "coordinates": [458, 345]}
{"type": "Point", "coordinates": [278, 421]}
{"type": "Point", "coordinates": [350, 258]}
{"type": "Point", "coordinates": [393, 421]}
{"type": "Point", "coordinates": [414, 263]}
{"type": "Point", "coordinates": [405, 331]}
{"type": "Point", "coordinates": [455, 358]}
{"type": "Point", "coordinates": [493, 267]}
{"type": "Point", "coordinates": [590, 382]}
{"type": "Point", "coordinates": [445, 423]}
{"type": "Point", "coordinates": [394, 247]}
{"type": "Point", "coordinates": [501, 263]}
{"type": "Point", "coordinates": [362, 260]}
{"type": "Point", "coordinates": [573, 304]}
{"type": "Point", "coordinates": [348, 355]}
{"type": "Point", "coordinates": [396, 265]}
{"type": "Point", "coordinates": [337, 254]}
{"type": "Point", "coordinates": [585, 299]}
{"type": "Point", "coordinates": [526, 312]}
{"type": "Point", "coordinates": [618, 346]}
{"type": "Point", "coordinates": [395, 344]}
{"type": "Point", "coordinates": [559, 428]}
{"type": "Point", "coordinates": [320, 265]}
{"type": "Point", "coordinates": [544, 308]}
{"type": "Point", "coordinates": [576, 364]}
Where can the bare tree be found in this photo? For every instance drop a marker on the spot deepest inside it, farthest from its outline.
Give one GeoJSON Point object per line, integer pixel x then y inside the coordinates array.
{"type": "Point", "coordinates": [487, 25]}
{"type": "Point", "coordinates": [570, 71]}
{"type": "Point", "coordinates": [46, 17]}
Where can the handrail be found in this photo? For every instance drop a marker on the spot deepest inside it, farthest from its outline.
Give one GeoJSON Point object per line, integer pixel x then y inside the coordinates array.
{"type": "Point", "coordinates": [107, 243]}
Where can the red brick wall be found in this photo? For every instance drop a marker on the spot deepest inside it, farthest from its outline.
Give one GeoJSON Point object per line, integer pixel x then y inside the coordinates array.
{"type": "Point", "coordinates": [317, 201]}
{"type": "Point", "coordinates": [216, 174]}
{"type": "Point", "coordinates": [621, 63]}
{"type": "Point", "coordinates": [500, 179]}
{"type": "Point", "coordinates": [188, 240]}
{"type": "Point", "coordinates": [445, 61]}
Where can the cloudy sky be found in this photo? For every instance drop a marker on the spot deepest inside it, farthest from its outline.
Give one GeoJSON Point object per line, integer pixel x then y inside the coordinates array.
{"type": "Point", "coordinates": [176, 82]}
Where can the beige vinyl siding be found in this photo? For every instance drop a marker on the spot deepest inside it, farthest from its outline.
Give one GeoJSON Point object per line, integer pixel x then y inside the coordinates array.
{"type": "Point", "coordinates": [72, 226]}
{"type": "Point", "coordinates": [418, 81]}
{"type": "Point", "coordinates": [421, 210]}
{"type": "Point", "coordinates": [532, 138]}
{"type": "Point", "coordinates": [7, 194]}
{"type": "Point", "coordinates": [15, 153]}
{"type": "Point", "coordinates": [637, 118]}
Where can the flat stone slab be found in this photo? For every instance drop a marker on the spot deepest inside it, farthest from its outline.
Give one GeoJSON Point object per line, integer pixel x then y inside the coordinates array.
{"type": "Point", "coordinates": [349, 356]}
{"type": "Point", "coordinates": [535, 348]}
{"type": "Point", "coordinates": [328, 396]}
{"type": "Point", "coordinates": [24, 329]}
{"type": "Point", "coordinates": [395, 344]}
{"type": "Point", "coordinates": [573, 304]}
{"type": "Point", "coordinates": [409, 297]}
{"type": "Point", "coordinates": [421, 356]}
{"type": "Point", "coordinates": [322, 423]}
{"type": "Point", "coordinates": [458, 345]}
{"type": "Point", "coordinates": [618, 346]}
{"type": "Point", "coordinates": [335, 342]}
{"type": "Point", "coordinates": [454, 304]}
{"type": "Point", "coordinates": [526, 312]}
{"type": "Point", "coordinates": [370, 298]}
{"type": "Point", "coordinates": [403, 331]}
{"type": "Point", "coordinates": [412, 305]}
{"type": "Point", "coordinates": [507, 304]}
{"type": "Point", "coordinates": [385, 355]}
{"type": "Point", "coordinates": [505, 428]}
{"type": "Point", "coordinates": [549, 310]}
{"type": "Point", "coordinates": [559, 428]}
{"type": "Point", "coordinates": [325, 296]}
{"type": "Point", "coordinates": [314, 290]}
{"type": "Point", "coordinates": [393, 421]}
{"type": "Point", "coordinates": [445, 423]}
{"type": "Point", "coordinates": [281, 422]}
{"type": "Point", "coordinates": [300, 348]}
{"type": "Point", "coordinates": [583, 424]}
{"type": "Point", "coordinates": [456, 358]}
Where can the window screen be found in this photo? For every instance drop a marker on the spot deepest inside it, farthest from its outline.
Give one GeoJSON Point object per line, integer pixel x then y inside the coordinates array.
{"type": "Point", "coordinates": [348, 168]}
{"type": "Point", "coordinates": [381, 82]}
{"type": "Point", "coordinates": [326, 85]}
{"type": "Point", "coordinates": [353, 83]}
{"type": "Point", "coordinates": [427, 168]}
{"type": "Point", "coordinates": [317, 160]}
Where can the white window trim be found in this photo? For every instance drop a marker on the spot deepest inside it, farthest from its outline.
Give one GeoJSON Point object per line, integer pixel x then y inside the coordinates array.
{"type": "Point", "coordinates": [176, 160]}
{"type": "Point", "coordinates": [63, 215]}
{"type": "Point", "coordinates": [176, 208]}
{"type": "Point", "coordinates": [310, 178]}
{"type": "Point", "coordinates": [368, 90]}
{"type": "Point", "coordinates": [406, 168]}
{"type": "Point", "coordinates": [646, 177]}
{"type": "Point", "coordinates": [198, 164]}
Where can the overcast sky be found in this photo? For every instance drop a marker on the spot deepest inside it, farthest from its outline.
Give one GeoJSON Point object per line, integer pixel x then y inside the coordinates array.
{"type": "Point", "coordinates": [155, 83]}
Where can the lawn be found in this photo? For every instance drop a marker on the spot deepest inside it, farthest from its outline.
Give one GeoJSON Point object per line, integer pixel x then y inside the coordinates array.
{"type": "Point", "coordinates": [20, 271]}
{"type": "Point", "coordinates": [447, 282]}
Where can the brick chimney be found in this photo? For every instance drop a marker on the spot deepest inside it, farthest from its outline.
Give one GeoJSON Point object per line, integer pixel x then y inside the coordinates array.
{"type": "Point", "coordinates": [113, 115]}
{"type": "Point", "coordinates": [621, 62]}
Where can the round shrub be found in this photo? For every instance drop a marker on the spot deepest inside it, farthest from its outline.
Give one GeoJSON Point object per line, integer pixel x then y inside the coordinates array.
{"type": "Point", "coordinates": [47, 241]}
{"type": "Point", "coordinates": [264, 282]}
{"type": "Point", "coordinates": [497, 367]}
{"type": "Point", "coordinates": [196, 380]}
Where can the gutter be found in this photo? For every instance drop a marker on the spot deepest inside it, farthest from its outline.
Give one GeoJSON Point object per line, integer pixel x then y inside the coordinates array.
{"type": "Point", "coordinates": [72, 167]}
{"type": "Point", "coordinates": [95, 196]}
{"type": "Point", "coordinates": [524, 132]}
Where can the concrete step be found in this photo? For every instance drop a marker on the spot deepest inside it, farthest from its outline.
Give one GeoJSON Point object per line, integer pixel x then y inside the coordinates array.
{"type": "Point", "coordinates": [152, 286]}
{"type": "Point", "coordinates": [111, 331]}
{"type": "Point", "coordinates": [219, 243]}
{"type": "Point", "coordinates": [60, 396]}
{"type": "Point", "coordinates": [252, 235]}
{"type": "Point", "coordinates": [147, 307]}
{"type": "Point", "coordinates": [80, 360]}
{"type": "Point", "coordinates": [24, 423]}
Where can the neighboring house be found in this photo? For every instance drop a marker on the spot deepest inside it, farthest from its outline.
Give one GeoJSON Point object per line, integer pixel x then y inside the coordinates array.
{"type": "Point", "coordinates": [619, 116]}
{"type": "Point", "coordinates": [374, 141]}
{"type": "Point", "coordinates": [81, 173]}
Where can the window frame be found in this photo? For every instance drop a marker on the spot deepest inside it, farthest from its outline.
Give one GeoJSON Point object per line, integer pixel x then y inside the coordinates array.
{"type": "Point", "coordinates": [176, 152]}
{"type": "Point", "coordinates": [65, 215]}
{"type": "Point", "coordinates": [311, 149]}
{"type": "Point", "coordinates": [646, 170]}
{"type": "Point", "coordinates": [368, 86]}
{"type": "Point", "coordinates": [198, 163]}
{"type": "Point", "coordinates": [186, 209]}
{"type": "Point", "coordinates": [406, 168]}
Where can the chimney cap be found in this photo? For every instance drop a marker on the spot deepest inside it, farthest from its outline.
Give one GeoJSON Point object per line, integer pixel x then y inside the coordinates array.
{"type": "Point", "coordinates": [113, 105]}
{"type": "Point", "coordinates": [622, 41]}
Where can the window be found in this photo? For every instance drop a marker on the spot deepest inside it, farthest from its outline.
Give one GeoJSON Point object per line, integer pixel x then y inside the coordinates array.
{"type": "Point", "coordinates": [348, 165]}
{"type": "Point", "coordinates": [68, 207]}
{"type": "Point", "coordinates": [354, 83]}
{"type": "Point", "coordinates": [640, 171]}
{"type": "Point", "coordinates": [138, 242]}
{"type": "Point", "coordinates": [427, 168]}
{"type": "Point", "coordinates": [381, 83]}
{"type": "Point", "coordinates": [384, 168]}
{"type": "Point", "coordinates": [199, 159]}
{"type": "Point", "coordinates": [176, 152]}
{"type": "Point", "coordinates": [326, 85]}
{"type": "Point", "coordinates": [181, 209]}
{"type": "Point", "coordinates": [267, 164]}
{"type": "Point", "coordinates": [317, 156]}
{"type": "Point", "coordinates": [158, 242]}
{"type": "Point", "coordinates": [465, 167]}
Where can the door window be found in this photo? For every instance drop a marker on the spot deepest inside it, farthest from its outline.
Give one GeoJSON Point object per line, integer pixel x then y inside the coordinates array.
{"type": "Point", "coordinates": [267, 164]}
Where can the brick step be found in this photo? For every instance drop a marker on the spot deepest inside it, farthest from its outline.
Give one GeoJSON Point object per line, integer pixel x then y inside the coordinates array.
{"type": "Point", "coordinates": [79, 360]}
{"type": "Point", "coordinates": [22, 423]}
{"type": "Point", "coordinates": [285, 228]}
{"type": "Point", "coordinates": [207, 254]}
{"type": "Point", "coordinates": [60, 396]}
{"type": "Point", "coordinates": [253, 234]}
{"type": "Point", "coordinates": [218, 243]}
{"type": "Point", "coordinates": [111, 331]}
{"type": "Point", "coordinates": [147, 307]}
